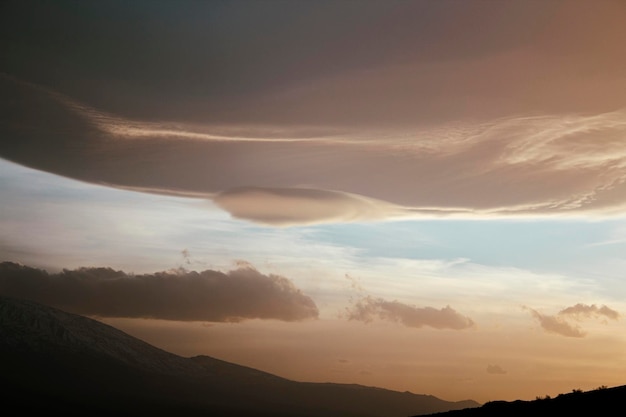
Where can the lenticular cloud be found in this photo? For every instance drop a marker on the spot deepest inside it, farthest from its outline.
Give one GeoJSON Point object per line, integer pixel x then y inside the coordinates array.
{"type": "Point", "coordinates": [542, 165]}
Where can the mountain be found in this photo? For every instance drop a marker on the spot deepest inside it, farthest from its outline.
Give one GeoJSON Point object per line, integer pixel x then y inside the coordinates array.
{"type": "Point", "coordinates": [54, 361]}
{"type": "Point", "coordinates": [602, 401]}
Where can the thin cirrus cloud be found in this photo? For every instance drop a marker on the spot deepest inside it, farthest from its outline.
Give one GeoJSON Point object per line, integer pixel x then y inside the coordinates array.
{"type": "Point", "coordinates": [214, 296]}
{"type": "Point", "coordinates": [542, 165]}
{"type": "Point", "coordinates": [559, 324]}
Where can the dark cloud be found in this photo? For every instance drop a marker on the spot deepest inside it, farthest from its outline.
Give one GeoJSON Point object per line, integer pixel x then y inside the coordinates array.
{"type": "Point", "coordinates": [558, 323]}
{"type": "Point", "coordinates": [219, 60]}
{"type": "Point", "coordinates": [495, 369]}
{"type": "Point", "coordinates": [276, 61]}
{"type": "Point", "coordinates": [243, 293]}
{"type": "Point", "coordinates": [368, 308]}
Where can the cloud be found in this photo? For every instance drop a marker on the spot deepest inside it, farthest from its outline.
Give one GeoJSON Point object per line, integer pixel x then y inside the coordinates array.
{"type": "Point", "coordinates": [579, 311]}
{"type": "Point", "coordinates": [368, 308]}
{"type": "Point", "coordinates": [290, 206]}
{"type": "Point", "coordinates": [558, 324]}
{"type": "Point", "coordinates": [495, 369]}
{"type": "Point", "coordinates": [554, 324]}
{"type": "Point", "coordinates": [479, 129]}
{"type": "Point", "coordinates": [214, 296]}
{"type": "Point", "coordinates": [511, 166]}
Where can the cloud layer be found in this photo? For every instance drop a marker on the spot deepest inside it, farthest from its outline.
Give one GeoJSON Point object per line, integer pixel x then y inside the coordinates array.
{"type": "Point", "coordinates": [240, 294]}
{"type": "Point", "coordinates": [551, 165]}
{"type": "Point", "coordinates": [524, 118]}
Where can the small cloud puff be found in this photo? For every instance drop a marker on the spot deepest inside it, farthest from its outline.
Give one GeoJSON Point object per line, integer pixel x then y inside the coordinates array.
{"type": "Point", "coordinates": [495, 369]}
{"type": "Point", "coordinates": [579, 311]}
{"type": "Point", "coordinates": [368, 308]}
{"type": "Point", "coordinates": [558, 324]}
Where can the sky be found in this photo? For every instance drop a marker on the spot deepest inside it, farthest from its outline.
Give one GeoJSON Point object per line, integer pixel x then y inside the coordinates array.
{"type": "Point", "coordinates": [424, 196]}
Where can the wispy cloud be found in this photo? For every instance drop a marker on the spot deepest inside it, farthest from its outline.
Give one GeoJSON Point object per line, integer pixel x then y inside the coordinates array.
{"type": "Point", "coordinates": [559, 323]}
{"type": "Point", "coordinates": [555, 324]}
{"type": "Point", "coordinates": [240, 294]}
{"type": "Point", "coordinates": [580, 311]}
{"type": "Point", "coordinates": [368, 308]}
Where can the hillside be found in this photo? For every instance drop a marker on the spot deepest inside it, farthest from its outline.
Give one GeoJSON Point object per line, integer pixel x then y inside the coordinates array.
{"type": "Point", "coordinates": [602, 401]}
{"type": "Point", "coordinates": [53, 361]}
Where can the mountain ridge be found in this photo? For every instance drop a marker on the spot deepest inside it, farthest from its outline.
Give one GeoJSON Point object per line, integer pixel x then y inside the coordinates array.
{"type": "Point", "coordinates": [603, 400]}
{"type": "Point", "coordinates": [54, 360]}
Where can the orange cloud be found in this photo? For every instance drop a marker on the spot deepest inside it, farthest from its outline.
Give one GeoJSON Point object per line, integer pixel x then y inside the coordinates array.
{"type": "Point", "coordinates": [287, 206]}
{"type": "Point", "coordinates": [368, 308]}
{"type": "Point", "coordinates": [586, 311]}
{"type": "Point", "coordinates": [558, 323]}
{"type": "Point", "coordinates": [554, 324]}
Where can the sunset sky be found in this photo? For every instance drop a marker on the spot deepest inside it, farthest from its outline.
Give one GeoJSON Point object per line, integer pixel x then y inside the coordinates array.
{"type": "Point", "coordinates": [424, 196]}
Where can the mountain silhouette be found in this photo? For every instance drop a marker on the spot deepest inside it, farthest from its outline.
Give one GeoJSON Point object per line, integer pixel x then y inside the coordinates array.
{"type": "Point", "coordinates": [602, 401]}
{"type": "Point", "coordinates": [53, 361]}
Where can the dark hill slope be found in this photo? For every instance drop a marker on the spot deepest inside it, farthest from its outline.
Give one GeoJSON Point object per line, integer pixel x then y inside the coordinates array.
{"type": "Point", "coordinates": [52, 361]}
{"type": "Point", "coordinates": [599, 402]}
